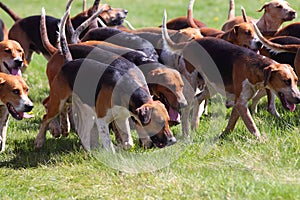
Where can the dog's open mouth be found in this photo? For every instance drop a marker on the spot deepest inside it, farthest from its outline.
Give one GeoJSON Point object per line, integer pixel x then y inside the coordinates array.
{"type": "Point", "coordinates": [285, 103]}
{"type": "Point", "coordinates": [17, 115]}
{"type": "Point", "coordinates": [173, 113]}
{"type": "Point", "coordinates": [13, 71]}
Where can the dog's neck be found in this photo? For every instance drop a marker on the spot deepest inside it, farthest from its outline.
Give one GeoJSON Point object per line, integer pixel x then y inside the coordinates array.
{"type": "Point", "coordinates": [267, 24]}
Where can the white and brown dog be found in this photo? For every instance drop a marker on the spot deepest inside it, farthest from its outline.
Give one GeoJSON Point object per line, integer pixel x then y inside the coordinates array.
{"type": "Point", "coordinates": [12, 57]}
{"type": "Point", "coordinates": [13, 100]}
{"type": "Point", "coordinates": [276, 12]}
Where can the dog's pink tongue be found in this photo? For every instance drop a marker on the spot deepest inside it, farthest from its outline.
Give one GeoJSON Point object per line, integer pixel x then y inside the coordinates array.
{"type": "Point", "coordinates": [16, 72]}
{"type": "Point", "coordinates": [173, 114]}
{"type": "Point", "coordinates": [27, 116]}
{"type": "Point", "coordinates": [291, 106]}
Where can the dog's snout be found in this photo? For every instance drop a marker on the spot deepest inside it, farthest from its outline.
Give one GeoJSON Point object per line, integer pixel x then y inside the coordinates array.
{"type": "Point", "coordinates": [259, 44]}
{"type": "Point", "coordinates": [171, 141]}
{"type": "Point", "coordinates": [18, 62]}
{"type": "Point", "coordinates": [293, 13]}
{"type": "Point", "coordinates": [126, 12]}
{"type": "Point", "coordinates": [28, 107]}
{"type": "Point", "coordinates": [183, 104]}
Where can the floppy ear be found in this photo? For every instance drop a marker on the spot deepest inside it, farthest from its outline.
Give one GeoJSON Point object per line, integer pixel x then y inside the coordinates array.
{"type": "Point", "coordinates": [144, 113]}
{"type": "Point", "coordinates": [267, 75]}
{"type": "Point", "coordinates": [2, 81]}
{"type": "Point", "coordinates": [236, 29]}
{"type": "Point", "coordinates": [24, 60]}
{"type": "Point", "coordinates": [263, 8]}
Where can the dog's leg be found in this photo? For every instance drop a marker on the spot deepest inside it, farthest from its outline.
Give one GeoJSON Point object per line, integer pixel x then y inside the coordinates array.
{"type": "Point", "coordinates": [122, 129]}
{"type": "Point", "coordinates": [54, 127]}
{"type": "Point", "coordinates": [3, 126]}
{"type": "Point", "coordinates": [84, 118]}
{"type": "Point", "coordinates": [231, 122]}
{"type": "Point", "coordinates": [104, 134]}
{"type": "Point", "coordinates": [271, 104]}
{"type": "Point", "coordinates": [244, 112]}
{"type": "Point", "coordinates": [144, 139]}
{"type": "Point", "coordinates": [64, 121]}
{"type": "Point", "coordinates": [54, 107]}
{"type": "Point", "coordinates": [255, 100]}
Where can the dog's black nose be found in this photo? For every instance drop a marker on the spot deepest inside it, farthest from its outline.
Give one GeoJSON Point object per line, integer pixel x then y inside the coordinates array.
{"type": "Point", "coordinates": [293, 13]}
{"type": "Point", "coordinates": [18, 63]}
{"type": "Point", "coordinates": [125, 11]}
{"type": "Point", "coordinates": [28, 107]}
{"type": "Point", "coordinates": [259, 44]}
{"type": "Point", "coordinates": [183, 104]}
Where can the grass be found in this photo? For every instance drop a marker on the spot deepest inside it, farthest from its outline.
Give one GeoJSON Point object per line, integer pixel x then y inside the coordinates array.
{"type": "Point", "coordinates": [238, 167]}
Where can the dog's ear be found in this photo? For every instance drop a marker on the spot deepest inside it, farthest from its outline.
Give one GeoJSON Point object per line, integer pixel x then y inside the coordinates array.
{"type": "Point", "coordinates": [267, 74]}
{"type": "Point", "coordinates": [144, 113]}
{"type": "Point", "coordinates": [2, 81]}
{"type": "Point", "coordinates": [25, 63]}
{"type": "Point", "coordinates": [263, 7]}
{"type": "Point", "coordinates": [236, 29]}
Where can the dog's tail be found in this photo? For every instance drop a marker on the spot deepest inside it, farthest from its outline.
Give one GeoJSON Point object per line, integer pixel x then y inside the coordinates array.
{"type": "Point", "coordinates": [44, 35]}
{"type": "Point", "coordinates": [63, 40]}
{"type": "Point", "coordinates": [83, 5]}
{"type": "Point", "coordinates": [231, 12]}
{"type": "Point", "coordinates": [293, 48]}
{"type": "Point", "coordinates": [10, 12]}
{"type": "Point", "coordinates": [190, 17]}
{"type": "Point", "coordinates": [167, 43]}
{"type": "Point", "coordinates": [85, 24]}
{"type": "Point", "coordinates": [244, 14]}
{"type": "Point", "coordinates": [94, 8]}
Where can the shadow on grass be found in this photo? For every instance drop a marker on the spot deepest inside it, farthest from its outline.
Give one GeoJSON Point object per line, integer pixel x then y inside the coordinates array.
{"type": "Point", "coordinates": [25, 155]}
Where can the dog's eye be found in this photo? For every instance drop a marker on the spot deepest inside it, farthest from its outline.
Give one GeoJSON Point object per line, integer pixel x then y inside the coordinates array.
{"type": "Point", "coordinates": [248, 32]}
{"type": "Point", "coordinates": [288, 82]}
{"type": "Point", "coordinates": [279, 6]}
{"type": "Point", "coordinates": [16, 91]}
{"type": "Point", "coordinates": [7, 51]}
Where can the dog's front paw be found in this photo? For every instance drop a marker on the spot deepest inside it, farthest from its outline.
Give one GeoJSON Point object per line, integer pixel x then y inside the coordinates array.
{"type": "Point", "coordinates": [126, 145]}
{"type": "Point", "coordinates": [39, 142]}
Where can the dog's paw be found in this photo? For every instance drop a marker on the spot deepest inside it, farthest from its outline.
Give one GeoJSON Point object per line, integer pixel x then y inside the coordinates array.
{"type": "Point", "coordinates": [54, 128]}
{"type": "Point", "coordinates": [39, 142]}
{"type": "Point", "coordinates": [126, 145]}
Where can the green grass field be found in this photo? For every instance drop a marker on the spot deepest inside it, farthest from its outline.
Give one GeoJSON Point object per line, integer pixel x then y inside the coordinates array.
{"type": "Point", "coordinates": [238, 167]}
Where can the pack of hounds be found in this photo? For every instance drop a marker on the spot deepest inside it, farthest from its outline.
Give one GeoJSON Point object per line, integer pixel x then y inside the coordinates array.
{"type": "Point", "coordinates": [106, 77]}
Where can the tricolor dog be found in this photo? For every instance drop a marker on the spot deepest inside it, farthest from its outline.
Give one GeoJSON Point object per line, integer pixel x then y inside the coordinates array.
{"type": "Point", "coordinates": [113, 91]}
{"type": "Point", "coordinates": [242, 73]}
{"type": "Point", "coordinates": [30, 38]}
{"type": "Point", "coordinates": [14, 101]}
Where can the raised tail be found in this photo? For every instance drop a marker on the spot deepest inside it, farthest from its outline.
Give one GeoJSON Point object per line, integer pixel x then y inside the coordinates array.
{"type": "Point", "coordinates": [85, 24]}
{"type": "Point", "coordinates": [293, 48]}
{"type": "Point", "coordinates": [44, 35]}
{"type": "Point", "coordinates": [63, 40]}
{"type": "Point", "coordinates": [231, 12]}
{"type": "Point", "coordinates": [244, 14]}
{"type": "Point", "coordinates": [190, 17]}
{"type": "Point", "coordinates": [10, 12]}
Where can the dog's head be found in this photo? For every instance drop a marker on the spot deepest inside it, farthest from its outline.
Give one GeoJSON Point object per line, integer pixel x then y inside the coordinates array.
{"type": "Point", "coordinates": [113, 16]}
{"type": "Point", "coordinates": [282, 80]}
{"type": "Point", "coordinates": [12, 57]}
{"type": "Point", "coordinates": [14, 94]}
{"type": "Point", "coordinates": [279, 9]}
{"type": "Point", "coordinates": [167, 86]}
{"type": "Point", "coordinates": [244, 35]}
{"type": "Point", "coordinates": [154, 120]}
